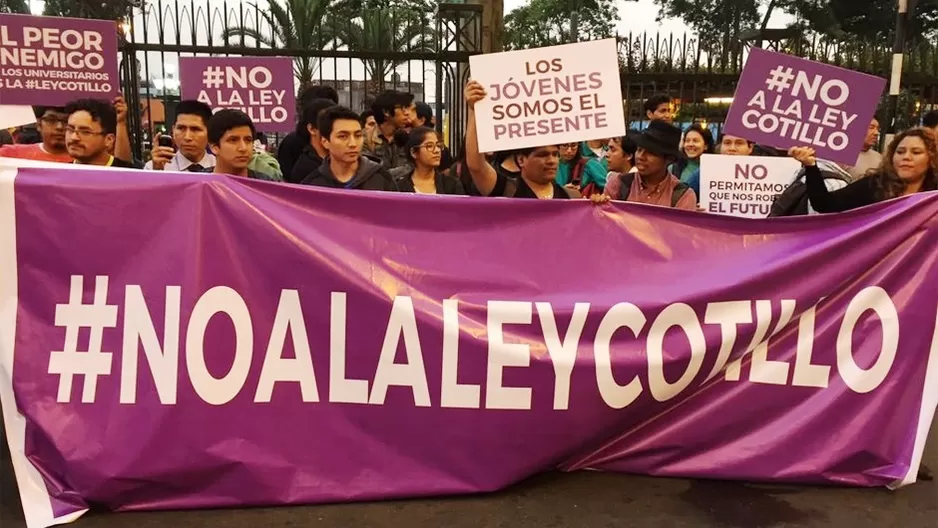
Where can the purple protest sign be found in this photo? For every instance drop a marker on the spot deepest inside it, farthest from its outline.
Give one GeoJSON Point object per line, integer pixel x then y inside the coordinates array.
{"type": "Point", "coordinates": [784, 101]}
{"type": "Point", "coordinates": [53, 60]}
{"type": "Point", "coordinates": [261, 87]}
{"type": "Point", "coordinates": [236, 352]}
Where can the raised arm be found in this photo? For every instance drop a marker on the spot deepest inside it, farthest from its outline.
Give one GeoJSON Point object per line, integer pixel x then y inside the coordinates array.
{"type": "Point", "coordinates": [483, 175]}
{"type": "Point", "coordinates": [122, 148]}
{"type": "Point", "coordinates": [823, 200]}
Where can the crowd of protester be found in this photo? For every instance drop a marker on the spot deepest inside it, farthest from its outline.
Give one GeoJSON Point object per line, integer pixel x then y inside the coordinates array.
{"type": "Point", "coordinates": [395, 146]}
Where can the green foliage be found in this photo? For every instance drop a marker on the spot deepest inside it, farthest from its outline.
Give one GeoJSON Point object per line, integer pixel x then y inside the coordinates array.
{"type": "Point", "coordinates": [387, 26]}
{"type": "Point", "coordinates": [872, 20]}
{"type": "Point", "coordinates": [100, 9]}
{"type": "Point", "coordinates": [292, 24]}
{"type": "Point", "coordinates": [869, 19]}
{"type": "Point", "coordinates": [551, 22]}
{"type": "Point", "coordinates": [14, 6]}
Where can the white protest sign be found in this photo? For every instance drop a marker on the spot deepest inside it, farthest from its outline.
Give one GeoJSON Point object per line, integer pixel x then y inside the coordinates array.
{"type": "Point", "coordinates": [549, 96]}
{"type": "Point", "coordinates": [16, 115]}
{"type": "Point", "coordinates": [743, 186]}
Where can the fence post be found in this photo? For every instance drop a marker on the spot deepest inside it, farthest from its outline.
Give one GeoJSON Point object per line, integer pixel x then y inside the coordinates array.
{"type": "Point", "coordinates": [898, 47]}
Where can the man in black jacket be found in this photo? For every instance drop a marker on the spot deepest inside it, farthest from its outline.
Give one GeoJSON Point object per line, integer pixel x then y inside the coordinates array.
{"type": "Point", "coordinates": [344, 166]}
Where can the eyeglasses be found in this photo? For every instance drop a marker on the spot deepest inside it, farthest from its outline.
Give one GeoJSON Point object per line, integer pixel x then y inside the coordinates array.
{"type": "Point", "coordinates": [83, 132]}
{"type": "Point", "coordinates": [433, 147]}
{"type": "Point", "coordinates": [568, 146]}
{"type": "Point", "coordinates": [54, 121]}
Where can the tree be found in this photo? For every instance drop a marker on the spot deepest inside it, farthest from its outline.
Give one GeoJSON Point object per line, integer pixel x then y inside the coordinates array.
{"type": "Point", "coordinates": [551, 22]}
{"type": "Point", "coordinates": [712, 19]}
{"type": "Point", "coordinates": [872, 20]}
{"type": "Point", "coordinates": [294, 24]}
{"type": "Point", "coordinates": [100, 9]}
{"type": "Point", "coordinates": [387, 26]}
{"type": "Point", "coordinates": [14, 6]}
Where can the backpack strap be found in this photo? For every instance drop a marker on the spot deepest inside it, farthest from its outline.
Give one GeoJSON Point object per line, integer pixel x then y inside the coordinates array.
{"type": "Point", "coordinates": [679, 190]}
{"type": "Point", "coordinates": [627, 179]}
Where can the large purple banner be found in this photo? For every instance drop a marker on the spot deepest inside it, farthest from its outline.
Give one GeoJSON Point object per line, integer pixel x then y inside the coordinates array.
{"type": "Point", "coordinates": [195, 340]}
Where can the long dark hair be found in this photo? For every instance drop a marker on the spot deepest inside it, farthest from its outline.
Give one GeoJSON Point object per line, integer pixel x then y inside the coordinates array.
{"type": "Point", "coordinates": [416, 138]}
{"type": "Point", "coordinates": [709, 147]}
{"type": "Point", "coordinates": [888, 184]}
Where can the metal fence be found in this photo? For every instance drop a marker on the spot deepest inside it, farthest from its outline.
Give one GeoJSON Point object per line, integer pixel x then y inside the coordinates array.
{"type": "Point", "coordinates": [702, 76]}
{"type": "Point", "coordinates": [363, 52]}
{"type": "Point", "coordinates": [360, 53]}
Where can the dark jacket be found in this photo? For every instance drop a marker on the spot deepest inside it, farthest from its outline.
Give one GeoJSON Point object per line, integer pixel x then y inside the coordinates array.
{"type": "Point", "coordinates": [289, 151]}
{"type": "Point", "coordinates": [444, 183]}
{"type": "Point", "coordinates": [370, 176]}
{"type": "Point", "coordinates": [308, 163]}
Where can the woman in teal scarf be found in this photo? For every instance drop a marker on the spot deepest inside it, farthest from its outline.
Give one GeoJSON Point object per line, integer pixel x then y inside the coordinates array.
{"type": "Point", "coordinates": [697, 142]}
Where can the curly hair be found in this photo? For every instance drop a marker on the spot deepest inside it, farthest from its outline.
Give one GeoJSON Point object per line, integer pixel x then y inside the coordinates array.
{"type": "Point", "coordinates": [888, 183]}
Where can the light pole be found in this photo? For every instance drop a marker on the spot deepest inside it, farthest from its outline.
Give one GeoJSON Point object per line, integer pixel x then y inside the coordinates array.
{"type": "Point", "coordinates": [895, 80]}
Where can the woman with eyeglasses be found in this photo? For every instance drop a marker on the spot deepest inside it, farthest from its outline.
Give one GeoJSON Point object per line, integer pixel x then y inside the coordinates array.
{"type": "Point", "coordinates": [425, 150]}
{"type": "Point", "coordinates": [572, 162]}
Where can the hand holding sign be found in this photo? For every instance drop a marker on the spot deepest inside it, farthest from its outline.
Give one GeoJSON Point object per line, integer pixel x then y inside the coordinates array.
{"type": "Point", "coordinates": [120, 106]}
{"type": "Point", "coordinates": [474, 93]}
{"type": "Point", "coordinates": [805, 155]}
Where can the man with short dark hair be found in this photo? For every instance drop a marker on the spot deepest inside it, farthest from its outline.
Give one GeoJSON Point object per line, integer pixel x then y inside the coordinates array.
{"type": "Point", "coordinates": [231, 136]}
{"type": "Point", "coordinates": [91, 133]}
{"type": "Point", "coordinates": [394, 114]}
{"type": "Point", "coordinates": [368, 122]}
{"type": "Point", "coordinates": [344, 166]}
{"type": "Point", "coordinates": [423, 115]}
{"type": "Point", "coordinates": [291, 148]}
{"type": "Point", "coordinates": [735, 146]}
{"type": "Point", "coordinates": [190, 140]}
{"type": "Point", "coordinates": [660, 107]}
{"type": "Point", "coordinates": [51, 122]}
{"type": "Point", "coordinates": [313, 153]}
{"type": "Point", "coordinates": [538, 164]}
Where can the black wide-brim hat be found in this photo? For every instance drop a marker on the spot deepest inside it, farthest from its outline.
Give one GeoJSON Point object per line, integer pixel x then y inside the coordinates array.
{"type": "Point", "coordinates": [661, 138]}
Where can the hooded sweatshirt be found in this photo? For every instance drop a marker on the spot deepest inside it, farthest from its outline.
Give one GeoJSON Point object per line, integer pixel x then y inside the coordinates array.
{"type": "Point", "coordinates": [370, 176]}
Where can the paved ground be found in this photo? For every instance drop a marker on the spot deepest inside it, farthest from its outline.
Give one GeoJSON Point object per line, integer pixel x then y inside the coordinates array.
{"type": "Point", "coordinates": [554, 500]}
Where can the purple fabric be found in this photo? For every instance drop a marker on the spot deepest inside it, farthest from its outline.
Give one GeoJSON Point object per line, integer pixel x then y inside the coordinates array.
{"type": "Point", "coordinates": [262, 87]}
{"type": "Point", "coordinates": [784, 101]}
{"type": "Point", "coordinates": [53, 61]}
{"type": "Point", "coordinates": [259, 238]}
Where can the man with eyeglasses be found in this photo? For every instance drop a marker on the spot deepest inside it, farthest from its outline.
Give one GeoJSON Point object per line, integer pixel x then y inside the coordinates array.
{"type": "Point", "coordinates": [51, 122]}
{"type": "Point", "coordinates": [91, 133]}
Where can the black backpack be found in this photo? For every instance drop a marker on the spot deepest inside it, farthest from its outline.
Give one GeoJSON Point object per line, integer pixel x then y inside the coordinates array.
{"type": "Point", "coordinates": [629, 177]}
{"type": "Point", "coordinates": [794, 199]}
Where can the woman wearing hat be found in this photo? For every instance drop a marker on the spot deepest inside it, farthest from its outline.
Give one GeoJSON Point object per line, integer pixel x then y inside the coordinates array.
{"type": "Point", "coordinates": [652, 184]}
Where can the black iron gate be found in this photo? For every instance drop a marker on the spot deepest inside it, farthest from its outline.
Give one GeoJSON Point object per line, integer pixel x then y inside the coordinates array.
{"type": "Point", "coordinates": [359, 53]}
